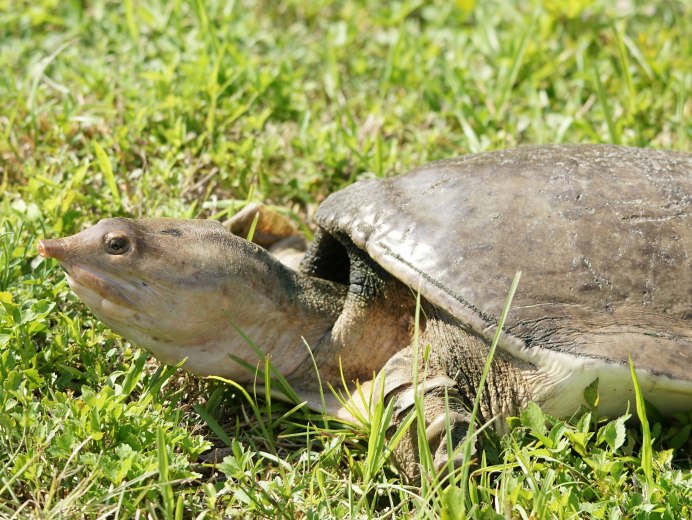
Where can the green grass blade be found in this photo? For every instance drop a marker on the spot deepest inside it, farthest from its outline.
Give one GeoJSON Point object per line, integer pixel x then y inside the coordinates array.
{"type": "Point", "coordinates": [165, 486]}
{"type": "Point", "coordinates": [683, 133]}
{"type": "Point", "coordinates": [424, 453]}
{"type": "Point", "coordinates": [647, 442]}
{"type": "Point", "coordinates": [630, 92]}
{"type": "Point", "coordinates": [130, 18]}
{"type": "Point", "coordinates": [213, 424]}
{"type": "Point", "coordinates": [106, 168]}
{"type": "Point", "coordinates": [517, 61]}
{"type": "Point", "coordinates": [481, 385]}
{"type": "Point", "coordinates": [605, 106]}
{"type": "Point", "coordinates": [253, 226]}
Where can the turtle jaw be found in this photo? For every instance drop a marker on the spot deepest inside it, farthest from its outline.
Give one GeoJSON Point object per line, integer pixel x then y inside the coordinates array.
{"type": "Point", "coordinates": [98, 291]}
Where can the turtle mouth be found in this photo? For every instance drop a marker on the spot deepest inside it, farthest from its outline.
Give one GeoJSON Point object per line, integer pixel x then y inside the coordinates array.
{"type": "Point", "coordinates": [99, 292]}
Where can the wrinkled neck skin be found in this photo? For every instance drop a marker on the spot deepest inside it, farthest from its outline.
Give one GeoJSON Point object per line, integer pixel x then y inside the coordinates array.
{"type": "Point", "coordinates": [263, 309]}
{"type": "Point", "coordinates": [285, 314]}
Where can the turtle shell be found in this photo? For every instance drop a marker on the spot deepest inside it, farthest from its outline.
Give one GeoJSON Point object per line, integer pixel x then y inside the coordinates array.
{"type": "Point", "coordinates": [602, 235]}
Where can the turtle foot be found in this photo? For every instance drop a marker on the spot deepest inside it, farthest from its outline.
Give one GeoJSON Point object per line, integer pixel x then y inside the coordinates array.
{"type": "Point", "coordinates": [446, 427]}
{"type": "Point", "coordinates": [445, 435]}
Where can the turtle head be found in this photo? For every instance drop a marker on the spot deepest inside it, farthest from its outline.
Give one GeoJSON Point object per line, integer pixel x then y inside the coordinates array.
{"type": "Point", "coordinates": [158, 282]}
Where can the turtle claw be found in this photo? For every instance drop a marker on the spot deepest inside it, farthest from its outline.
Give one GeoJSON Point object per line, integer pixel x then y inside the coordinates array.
{"type": "Point", "coordinates": [447, 425]}
{"type": "Point", "coordinates": [436, 433]}
{"type": "Point", "coordinates": [446, 429]}
{"type": "Point", "coordinates": [240, 223]}
{"type": "Point", "coordinates": [446, 420]}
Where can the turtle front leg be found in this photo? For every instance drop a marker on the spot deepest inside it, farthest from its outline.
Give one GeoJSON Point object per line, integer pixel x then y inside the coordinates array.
{"type": "Point", "coordinates": [450, 379]}
{"type": "Point", "coordinates": [442, 406]}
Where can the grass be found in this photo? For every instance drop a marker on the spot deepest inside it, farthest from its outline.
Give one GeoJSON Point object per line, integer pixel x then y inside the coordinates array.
{"type": "Point", "coordinates": [190, 108]}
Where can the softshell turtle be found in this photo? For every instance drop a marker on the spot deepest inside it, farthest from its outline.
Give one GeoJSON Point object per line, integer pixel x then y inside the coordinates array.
{"type": "Point", "coordinates": [602, 234]}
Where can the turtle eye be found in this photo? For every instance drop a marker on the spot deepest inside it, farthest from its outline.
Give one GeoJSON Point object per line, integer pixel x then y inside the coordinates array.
{"type": "Point", "coordinates": [116, 244]}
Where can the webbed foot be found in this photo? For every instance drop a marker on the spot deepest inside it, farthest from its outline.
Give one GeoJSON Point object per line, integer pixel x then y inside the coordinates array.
{"type": "Point", "coordinates": [446, 420]}
{"type": "Point", "coordinates": [441, 439]}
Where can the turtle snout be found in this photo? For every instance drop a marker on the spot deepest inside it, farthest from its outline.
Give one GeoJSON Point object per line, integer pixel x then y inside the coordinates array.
{"type": "Point", "coordinates": [51, 248]}
{"type": "Point", "coordinates": [62, 249]}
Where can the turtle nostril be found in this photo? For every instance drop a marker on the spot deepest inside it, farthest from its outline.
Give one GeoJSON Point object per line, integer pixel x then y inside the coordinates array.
{"type": "Point", "coordinates": [42, 248]}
